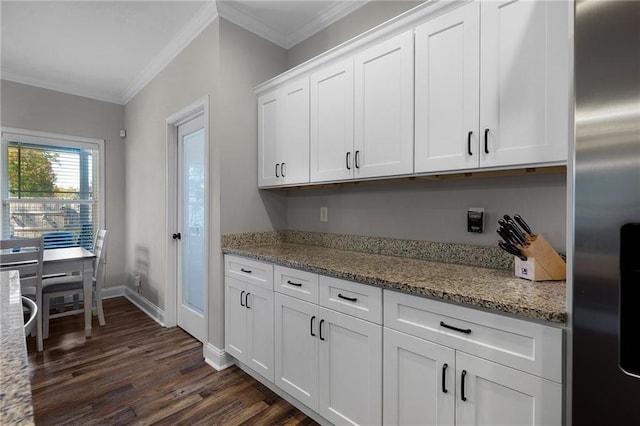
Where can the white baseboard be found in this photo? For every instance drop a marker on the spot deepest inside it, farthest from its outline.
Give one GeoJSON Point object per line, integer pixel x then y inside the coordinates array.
{"type": "Point", "coordinates": [111, 292]}
{"type": "Point", "coordinates": [145, 305]}
{"type": "Point", "coordinates": [217, 358]}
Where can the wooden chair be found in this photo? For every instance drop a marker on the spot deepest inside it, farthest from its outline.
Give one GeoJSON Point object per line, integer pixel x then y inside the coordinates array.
{"type": "Point", "coordinates": [71, 285]}
{"type": "Point", "coordinates": [25, 256]}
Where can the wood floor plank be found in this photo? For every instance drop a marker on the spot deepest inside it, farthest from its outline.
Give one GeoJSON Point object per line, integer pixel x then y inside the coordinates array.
{"type": "Point", "coordinates": [133, 371]}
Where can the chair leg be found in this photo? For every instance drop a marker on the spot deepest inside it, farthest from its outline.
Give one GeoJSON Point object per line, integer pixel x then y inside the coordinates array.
{"type": "Point", "coordinates": [39, 319]}
{"type": "Point", "coordinates": [98, 301]}
{"type": "Point", "coordinates": [45, 316]}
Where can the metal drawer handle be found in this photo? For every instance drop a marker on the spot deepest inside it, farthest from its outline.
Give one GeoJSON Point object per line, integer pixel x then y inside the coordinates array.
{"type": "Point", "coordinates": [246, 271]}
{"type": "Point", "coordinates": [246, 300]}
{"type": "Point", "coordinates": [444, 377]}
{"type": "Point", "coordinates": [292, 283]}
{"type": "Point", "coordinates": [277, 165]}
{"type": "Point", "coordinates": [282, 169]}
{"type": "Point", "coordinates": [311, 325]}
{"type": "Point", "coordinates": [469, 143]}
{"type": "Point", "coordinates": [450, 327]}
{"type": "Point", "coordinates": [347, 160]}
{"type": "Point", "coordinates": [350, 299]}
{"type": "Point", "coordinates": [241, 294]}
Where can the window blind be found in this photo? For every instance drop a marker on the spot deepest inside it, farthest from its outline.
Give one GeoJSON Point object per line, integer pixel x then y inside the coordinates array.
{"type": "Point", "coordinates": [51, 189]}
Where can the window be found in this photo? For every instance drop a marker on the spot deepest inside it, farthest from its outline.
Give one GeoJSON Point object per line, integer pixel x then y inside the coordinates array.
{"type": "Point", "coordinates": [51, 186]}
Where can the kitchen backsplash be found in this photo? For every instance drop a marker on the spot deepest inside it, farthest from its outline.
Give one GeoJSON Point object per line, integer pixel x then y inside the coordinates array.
{"type": "Point", "coordinates": [465, 254]}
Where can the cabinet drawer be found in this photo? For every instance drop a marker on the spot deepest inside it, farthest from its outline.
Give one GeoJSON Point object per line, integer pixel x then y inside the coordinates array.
{"type": "Point", "coordinates": [299, 284]}
{"type": "Point", "coordinates": [527, 346]}
{"type": "Point", "coordinates": [360, 300]}
{"type": "Point", "coordinates": [249, 271]}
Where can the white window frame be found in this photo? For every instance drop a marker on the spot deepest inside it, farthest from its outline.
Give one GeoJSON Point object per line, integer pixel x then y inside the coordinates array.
{"type": "Point", "coordinates": [55, 139]}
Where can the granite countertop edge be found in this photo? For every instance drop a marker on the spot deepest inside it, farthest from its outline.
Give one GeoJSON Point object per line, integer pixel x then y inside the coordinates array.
{"type": "Point", "coordinates": [537, 312]}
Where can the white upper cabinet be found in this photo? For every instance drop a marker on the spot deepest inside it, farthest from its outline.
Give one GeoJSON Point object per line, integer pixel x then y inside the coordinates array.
{"type": "Point", "coordinates": [295, 132]}
{"type": "Point", "coordinates": [517, 73]}
{"type": "Point", "coordinates": [332, 122]}
{"type": "Point", "coordinates": [283, 136]}
{"type": "Point", "coordinates": [451, 86]}
{"type": "Point", "coordinates": [384, 108]}
{"type": "Point", "coordinates": [524, 82]}
{"type": "Point", "coordinates": [448, 91]}
{"type": "Point", "coordinates": [268, 141]}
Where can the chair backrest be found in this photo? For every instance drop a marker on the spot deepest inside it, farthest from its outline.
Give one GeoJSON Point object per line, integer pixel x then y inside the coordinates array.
{"type": "Point", "coordinates": [100, 250]}
{"type": "Point", "coordinates": [25, 256]}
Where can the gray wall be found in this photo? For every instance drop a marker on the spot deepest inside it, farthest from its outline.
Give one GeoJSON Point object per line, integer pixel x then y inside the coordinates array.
{"type": "Point", "coordinates": [246, 60]}
{"type": "Point", "coordinates": [33, 108]}
{"type": "Point", "coordinates": [363, 19]}
{"type": "Point", "coordinates": [189, 77]}
{"type": "Point", "coordinates": [434, 211]}
{"type": "Point", "coordinates": [224, 62]}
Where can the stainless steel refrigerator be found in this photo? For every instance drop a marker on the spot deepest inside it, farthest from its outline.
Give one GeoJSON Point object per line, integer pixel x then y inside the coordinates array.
{"type": "Point", "coordinates": [605, 363]}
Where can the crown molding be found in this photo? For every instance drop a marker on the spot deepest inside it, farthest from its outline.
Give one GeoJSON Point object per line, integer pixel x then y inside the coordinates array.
{"type": "Point", "coordinates": [328, 17]}
{"type": "Point", "coordinates": [64, 88]}
{"type": "Point", "coordinates": [231, 12]}
{"type": "Point", "coordinates": [204, 17]}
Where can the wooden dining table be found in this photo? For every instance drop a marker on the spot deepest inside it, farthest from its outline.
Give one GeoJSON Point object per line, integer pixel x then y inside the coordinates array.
{"type": "Point", "coordinates": [70, 260]}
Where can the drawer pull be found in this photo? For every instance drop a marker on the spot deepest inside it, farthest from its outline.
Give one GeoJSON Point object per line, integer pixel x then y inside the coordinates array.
{"type": "Point", "coordinates": [462, 376]}
{"type": "Point", "coordinates": [246, 271]}
{"type": "Point", "coordinates": [350, 299]}
{"type": "Point", "coordinates": [444, 377]}
{"type": "Point", "coordinates": [311, 326]}
{"type": "Point", "coordinates": [246, 300]}
{"type": "Point", "coordinates": [320, 328]}
{"type": "Point", "coordinates": [241, 294]}
{"type": "Point", "coordinates": [461, 330]}
{"type": "Point", "coordinates": [292, 283]}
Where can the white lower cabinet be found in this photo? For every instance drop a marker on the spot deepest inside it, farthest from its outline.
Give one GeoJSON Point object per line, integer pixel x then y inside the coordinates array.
{"type": "Point", "coordinates": [320, 340]}
{"type": "Point", "coordinates": [429, 383]}
{"type": "Point", "coordinates": [419, 381]}
{"type": "Point", "coordinates": [328, 360]}
{"type": "Point", "coordinates": [492, 394]}
{"type": "Point", "coordinates": [249, 324]}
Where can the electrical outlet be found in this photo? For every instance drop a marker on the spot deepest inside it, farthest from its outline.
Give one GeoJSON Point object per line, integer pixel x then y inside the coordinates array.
{"type": "Point", "coordinates": [324, 214]}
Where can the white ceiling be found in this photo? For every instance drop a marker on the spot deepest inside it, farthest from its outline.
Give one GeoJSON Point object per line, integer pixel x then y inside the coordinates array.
{"type": "Point", "coordinates": [109, 50]}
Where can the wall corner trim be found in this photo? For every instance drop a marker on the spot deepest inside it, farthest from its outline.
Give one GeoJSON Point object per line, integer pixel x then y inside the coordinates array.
{"type": "Point", "coordinates": [217, 358]}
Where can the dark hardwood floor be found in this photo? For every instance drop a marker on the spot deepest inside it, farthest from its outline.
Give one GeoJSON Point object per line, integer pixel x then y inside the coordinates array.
{"type": "Point", "coordinates": [133, 371]}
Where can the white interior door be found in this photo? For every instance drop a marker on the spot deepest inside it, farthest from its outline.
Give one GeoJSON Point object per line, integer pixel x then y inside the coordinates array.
{"type": "Point", "coordinates": [191, 227]}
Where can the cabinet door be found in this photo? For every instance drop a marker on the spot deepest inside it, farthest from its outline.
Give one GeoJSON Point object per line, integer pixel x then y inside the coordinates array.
{"type": "Point", "coordinates": [524, 82]}
{"type": "Point", "coordinates": [259, 311]}
{"type": "Point", "coordinates": [295, 132]}
{"type": "Point", "coordinates": [384, 108]}
{"type": "Point", "coordinates": [499, 395]}
{"type": "Point", "coordinates": [332, 122]}
{"type": "Point", "coordinates": [235, 322]}
{"type": "Point", "coordinates": [268, 138]}
{"type": "Point", "coordinates": [296, 349]}
{"type": "Point", "coordinates": [447, 91]}
{"type": "Point", "coordinates": [350, 369]}
{"type": "Point", "coordinates": [419, 381]}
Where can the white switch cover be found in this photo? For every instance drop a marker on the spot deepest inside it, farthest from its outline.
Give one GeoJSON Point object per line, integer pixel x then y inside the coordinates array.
{"type": "Point", "coordinates": [324, 214]}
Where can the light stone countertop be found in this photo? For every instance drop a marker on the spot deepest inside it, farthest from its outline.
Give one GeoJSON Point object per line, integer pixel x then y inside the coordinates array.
{"type": "Point", "coordinates": [15, 384]}
{"type": "Point", "coordinates": [494, 289]}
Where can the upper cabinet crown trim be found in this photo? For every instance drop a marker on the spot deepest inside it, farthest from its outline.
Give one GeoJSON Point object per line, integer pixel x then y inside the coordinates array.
{"type": "Point", "coordinates": [403, 22]}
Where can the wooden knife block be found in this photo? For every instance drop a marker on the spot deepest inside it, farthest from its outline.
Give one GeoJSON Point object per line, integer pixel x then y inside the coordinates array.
{"type": "Point", "coordinates": [543, 262]}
